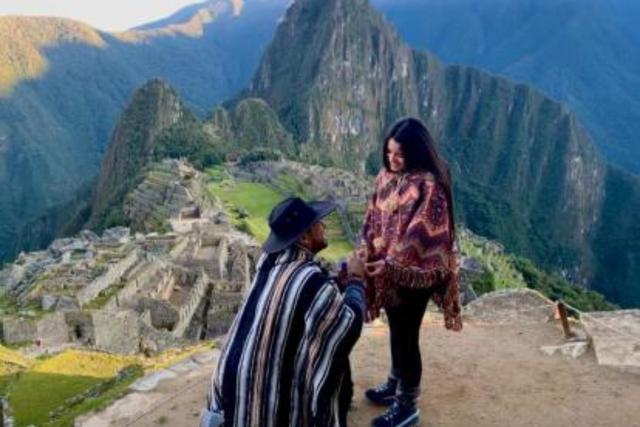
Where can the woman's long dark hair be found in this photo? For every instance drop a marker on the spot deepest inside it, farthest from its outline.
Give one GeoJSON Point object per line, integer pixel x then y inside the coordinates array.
{"type": "Point", "coordinates": [420, 154]}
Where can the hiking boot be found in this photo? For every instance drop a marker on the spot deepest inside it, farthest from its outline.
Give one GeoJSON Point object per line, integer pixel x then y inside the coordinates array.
{"type": "Point", "coordinates": [398, 415]}
{"type": "Point", "coordinates": [382, 395]}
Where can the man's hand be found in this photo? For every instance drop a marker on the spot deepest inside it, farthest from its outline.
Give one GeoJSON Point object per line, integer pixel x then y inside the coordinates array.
{"type": "Point", "coordinates": [375, 268]}
{"type": "Point", "coordinates": [355, 266]}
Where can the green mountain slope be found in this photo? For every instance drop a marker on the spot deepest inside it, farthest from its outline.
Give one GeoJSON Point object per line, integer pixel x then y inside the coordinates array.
{"type": "Point", "coordinates": [157, 124]}
{"type": "Point", "coordinates": [582, 52]}
{"type": "Point", "coordinates": [63, 84]}
{"type": "Point", "coordinates": [526, 171]}
{"type": "Point", "coordinates": [154, 109]}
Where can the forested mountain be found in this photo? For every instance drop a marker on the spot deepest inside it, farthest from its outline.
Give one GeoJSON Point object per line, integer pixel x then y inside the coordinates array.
{"type": "Point", "coordinates": [585, 53]}
{"type": "Point", "coordinates": [63, 84]}
{"type": "Point", "coordinates": [527, 173]}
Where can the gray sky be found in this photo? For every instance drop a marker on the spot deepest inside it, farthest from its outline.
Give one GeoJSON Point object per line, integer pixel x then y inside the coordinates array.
{"type": "Point", "coordinates": [103, 14]}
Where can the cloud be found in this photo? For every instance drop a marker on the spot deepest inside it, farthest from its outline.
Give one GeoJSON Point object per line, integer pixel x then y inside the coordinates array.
{"type": "Point", "coordinates": [238, 5]}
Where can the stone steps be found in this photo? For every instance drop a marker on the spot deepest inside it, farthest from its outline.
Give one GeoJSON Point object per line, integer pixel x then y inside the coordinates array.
{"type": "Point", "coordinates": [134, 269]}
{"type": "Point", "coordinates": [152, 201]}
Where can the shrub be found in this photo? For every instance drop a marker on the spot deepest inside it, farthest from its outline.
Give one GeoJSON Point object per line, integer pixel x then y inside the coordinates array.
{"type": "Point", "coordinates": [556, 288]}
{"type": "Point", "coordinates": [243, 226]}
{"type": "Point", "coordinates": [485, 283]}
{"type": "Point", "coordinates": [260, 154]}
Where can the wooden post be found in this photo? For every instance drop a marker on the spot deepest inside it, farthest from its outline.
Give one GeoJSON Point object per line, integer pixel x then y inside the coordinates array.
{"type": "Point", "coordinates": [562, 312]}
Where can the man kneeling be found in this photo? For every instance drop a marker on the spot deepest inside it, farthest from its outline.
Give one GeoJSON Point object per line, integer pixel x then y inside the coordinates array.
{"type": "Point", "coordinates": [285, 361]}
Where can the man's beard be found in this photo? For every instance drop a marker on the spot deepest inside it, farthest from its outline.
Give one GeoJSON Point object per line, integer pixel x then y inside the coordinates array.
{"type": "Point", "coordinates": [320, 245]}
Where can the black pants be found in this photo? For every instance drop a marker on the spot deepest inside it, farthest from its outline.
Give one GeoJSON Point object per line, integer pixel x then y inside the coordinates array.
{"type": "Point", "coordinates": [405, 319]}
{"type": "Point", "coordinates": [345, 396]}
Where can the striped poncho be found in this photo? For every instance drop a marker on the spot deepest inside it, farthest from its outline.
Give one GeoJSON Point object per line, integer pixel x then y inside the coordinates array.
{"type": "Point", "coordinates": [286, 355]}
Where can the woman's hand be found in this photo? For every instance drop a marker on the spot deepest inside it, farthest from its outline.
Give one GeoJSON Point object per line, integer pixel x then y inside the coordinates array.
{"type": "Point", "coordinates": [375, 268]}
{"type": "Point", "coordinates": [362, 253]}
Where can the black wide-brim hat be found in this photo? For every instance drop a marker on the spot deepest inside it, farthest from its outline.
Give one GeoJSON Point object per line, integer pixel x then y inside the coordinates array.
{"type": "Point", "coordinates": [290, 218]}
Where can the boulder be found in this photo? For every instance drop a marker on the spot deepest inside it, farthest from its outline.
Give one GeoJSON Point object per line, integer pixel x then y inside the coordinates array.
{"type": "Point", "coordinates": [514, 305]}
{"type": "Point", "coordinates": [48, 302]}
{"type": "Point", "coordinates": [571, 350]}
{"type": "Point", "coordinates": [89, 236]}
{"type": "Point", "coordinates": [471, 264]}
{"type": "Point", "coordinates": [220, 218]}
{"type": "Point", "coordinates": [67, 303]}
{"type": "Point", "coordinates": [116, 235]}
{"type": "Point", "coordinates": [467, 294]}
{"type": "Point", "coordinates": [62, 246]}
{"type": "Point", "coordinates": [16, 275]}
{"type": "Point", "coordinates": [615, 336]}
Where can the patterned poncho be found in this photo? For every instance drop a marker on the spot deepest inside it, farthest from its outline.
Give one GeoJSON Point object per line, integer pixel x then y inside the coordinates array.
{"type": "Point", "coordinates": [407, 223]}
{"type": "Point", "coordinates": [286, 354]}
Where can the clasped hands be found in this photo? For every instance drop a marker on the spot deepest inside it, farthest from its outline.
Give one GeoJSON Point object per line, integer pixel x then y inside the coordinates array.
{"type": "Point", "coordinates": [358, 266]}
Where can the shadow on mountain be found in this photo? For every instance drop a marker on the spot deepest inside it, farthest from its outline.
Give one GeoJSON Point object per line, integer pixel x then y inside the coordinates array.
{"type": "Point", "coordinates": [54, 130]}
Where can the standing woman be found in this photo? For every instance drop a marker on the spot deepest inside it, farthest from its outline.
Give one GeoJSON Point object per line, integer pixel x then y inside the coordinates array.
{"type": "Point", "coordinates": [409, 233]}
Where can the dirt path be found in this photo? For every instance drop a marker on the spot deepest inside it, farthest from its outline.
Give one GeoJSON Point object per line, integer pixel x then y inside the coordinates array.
{"type": "Point", "coordinates": [490, 375]}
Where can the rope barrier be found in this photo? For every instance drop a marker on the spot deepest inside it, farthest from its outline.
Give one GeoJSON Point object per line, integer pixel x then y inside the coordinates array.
{"type": "Point", "coordinates": [600, 322]}
{"type": "Point", "coordinates": [550, 305]}
{"type": "Point", "coordinates": [523, 311]}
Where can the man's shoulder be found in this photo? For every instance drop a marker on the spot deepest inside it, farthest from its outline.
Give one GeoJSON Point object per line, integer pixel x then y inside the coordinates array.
{"type": "Point", "coordinates": [316, 275]}
{"type": "Point", "coordinates": [316, 271]}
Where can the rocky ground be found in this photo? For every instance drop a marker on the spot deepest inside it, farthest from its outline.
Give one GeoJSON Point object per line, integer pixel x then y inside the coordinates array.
{"type": "Point", "coordinates": [492, 374]}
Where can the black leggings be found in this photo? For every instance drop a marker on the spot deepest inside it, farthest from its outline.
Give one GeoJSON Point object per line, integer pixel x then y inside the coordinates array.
{"type": "Point", "coordinates": [405, 319]}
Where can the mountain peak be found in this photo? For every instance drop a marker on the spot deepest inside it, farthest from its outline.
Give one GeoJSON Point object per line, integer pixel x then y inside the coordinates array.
{"type": "Point", "coordinates": [156, 85]}
{"type": "Point", "coordinates": [189, 21]}
{"type": "Point", "coordinates": [153, 108]}
{"type": "Point", "coordinates": [340, 54]}
{"type": "Point", "coordinates": [24, 38]}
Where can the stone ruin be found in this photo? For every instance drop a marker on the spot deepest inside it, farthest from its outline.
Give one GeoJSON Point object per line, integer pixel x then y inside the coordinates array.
{"type": "Point", "coordinates": [318, 181]}
{"type": "Point", "coordinates": [143, 300]}
{"type": "Point", "coordinates": [129, 293]}
{"type": "Point", "coordinates": [171, 189]}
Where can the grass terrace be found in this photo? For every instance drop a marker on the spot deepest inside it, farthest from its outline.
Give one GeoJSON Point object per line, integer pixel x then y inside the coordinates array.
{"type": "Point", "coordinates": [249, 205]}
{"type": "Point", "coordinates": [53, 391]}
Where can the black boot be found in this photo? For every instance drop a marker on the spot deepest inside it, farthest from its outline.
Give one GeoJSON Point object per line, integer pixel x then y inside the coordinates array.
{"type": "Point", "coordinates": [403, 413]}
{"type": "Point", "coordinates": [384, 394]}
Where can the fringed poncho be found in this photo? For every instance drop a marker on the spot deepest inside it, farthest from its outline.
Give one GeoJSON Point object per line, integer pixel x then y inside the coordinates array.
{"type": "Point", "coordinates": [407, 224]}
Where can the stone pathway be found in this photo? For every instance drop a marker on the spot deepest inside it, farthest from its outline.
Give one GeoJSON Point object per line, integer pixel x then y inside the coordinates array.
{"type": "Point", "coordinates": [615, 336]}
{"type": "Point", "coordinates": [172, 396]}
{"type": "Point", "coordinates": [492, 374]}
